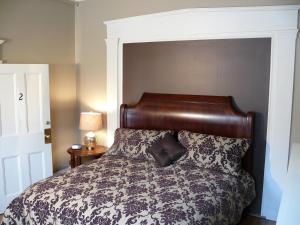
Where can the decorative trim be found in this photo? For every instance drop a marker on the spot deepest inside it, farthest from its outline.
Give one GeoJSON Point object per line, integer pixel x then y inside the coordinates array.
{"type": "Point", "coordinates": [1, 42]}
{"type": "Point", "coordinates": [276, 22]}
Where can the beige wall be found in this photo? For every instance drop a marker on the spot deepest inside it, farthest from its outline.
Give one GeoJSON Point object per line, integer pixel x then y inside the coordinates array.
{"type": "Point", "coordinates": [91, 49]}
{"type": "Point", "coordinates": [42, 31]}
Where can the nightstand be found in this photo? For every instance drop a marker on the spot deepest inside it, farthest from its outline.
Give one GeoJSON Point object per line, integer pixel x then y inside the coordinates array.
{"type": "Point", "coordinates": [76, 155]}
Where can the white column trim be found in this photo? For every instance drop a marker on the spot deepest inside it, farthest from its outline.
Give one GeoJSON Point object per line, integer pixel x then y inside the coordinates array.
{"type": "Point", "coordinates": [113, 89]}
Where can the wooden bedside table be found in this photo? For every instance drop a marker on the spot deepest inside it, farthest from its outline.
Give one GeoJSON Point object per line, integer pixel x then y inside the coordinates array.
{"type": "Point", "coordinates": [76, 155]}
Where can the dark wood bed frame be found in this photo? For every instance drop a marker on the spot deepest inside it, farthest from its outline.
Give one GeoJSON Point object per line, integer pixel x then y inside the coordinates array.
{"type": "Point", "coordinates": [203, 114]}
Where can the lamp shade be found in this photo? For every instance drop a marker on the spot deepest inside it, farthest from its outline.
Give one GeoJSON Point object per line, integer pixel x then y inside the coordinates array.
{"type": "Point", "coordinates": [90, 121]}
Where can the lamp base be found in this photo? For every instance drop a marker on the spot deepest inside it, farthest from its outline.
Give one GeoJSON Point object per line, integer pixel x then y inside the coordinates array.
{"type": "Point", "coordinates": [90, 142]}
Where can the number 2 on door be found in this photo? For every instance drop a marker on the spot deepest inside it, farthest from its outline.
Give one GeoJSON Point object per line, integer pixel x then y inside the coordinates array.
{"type": "Point", "coordinates": [20, 96]}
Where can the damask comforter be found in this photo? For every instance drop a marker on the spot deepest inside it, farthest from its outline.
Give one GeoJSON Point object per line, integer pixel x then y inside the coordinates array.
{"type": "Point", "coordinates": [120, 190]}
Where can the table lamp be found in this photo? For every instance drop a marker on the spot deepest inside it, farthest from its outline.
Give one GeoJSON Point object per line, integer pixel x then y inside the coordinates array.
{"type": "Point", "coordinates": [90, 121]}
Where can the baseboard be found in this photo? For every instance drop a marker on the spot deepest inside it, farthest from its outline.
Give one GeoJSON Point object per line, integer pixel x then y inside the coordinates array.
{"type": "Point", "coordinates": [260, 216]}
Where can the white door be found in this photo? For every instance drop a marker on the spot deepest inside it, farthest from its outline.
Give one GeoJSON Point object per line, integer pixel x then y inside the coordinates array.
{"type": "Point", "coordinates": [25, 158]}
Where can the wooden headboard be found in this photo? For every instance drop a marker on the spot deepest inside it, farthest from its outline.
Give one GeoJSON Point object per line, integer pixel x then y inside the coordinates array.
{"type": "Point", "coordinates": [204, 114]}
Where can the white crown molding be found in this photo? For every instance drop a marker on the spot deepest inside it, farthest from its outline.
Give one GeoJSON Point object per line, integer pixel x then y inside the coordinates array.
{"type": "Point", "coordinates": [211, 20]}
{"type": "Point", "coordinates": [199, 10]}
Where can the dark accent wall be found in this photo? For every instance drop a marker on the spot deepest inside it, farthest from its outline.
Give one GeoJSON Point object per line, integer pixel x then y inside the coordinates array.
{"type": "Point", "coordinates": [236, 67]}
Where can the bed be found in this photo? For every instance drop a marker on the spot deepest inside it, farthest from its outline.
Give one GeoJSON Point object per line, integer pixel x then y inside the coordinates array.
{"type": "Point", "coordinates": [117, 189]}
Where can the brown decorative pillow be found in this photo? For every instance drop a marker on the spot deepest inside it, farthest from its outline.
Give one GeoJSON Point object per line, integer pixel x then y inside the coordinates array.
{"type": "Point", "coordinates": [167, 150]}
{"type": "Point", "coordinates": [159, 154]}
{"type": "Point", "coordinates": [213, 152]}
{"type": "Point", "coordinates": [134, 143]}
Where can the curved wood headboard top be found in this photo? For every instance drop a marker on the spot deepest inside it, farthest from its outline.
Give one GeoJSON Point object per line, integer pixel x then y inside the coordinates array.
{"type": "Point", "coordinates": [203, 114]}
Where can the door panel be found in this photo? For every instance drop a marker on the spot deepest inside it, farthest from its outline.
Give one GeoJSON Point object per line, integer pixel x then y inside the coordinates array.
{"type": "Point", "coordinates": [12, 176]}
{"type": "Point", "coordinates": [24, 114]}
{"type": "Point", "coordinates": [37, 166]}
{"type": "Point", "coordinates": [7, 111]}
{"type": "Point", "coordinates": [20, 101]}
{"type": "Point", "coordinates": [34, 111]}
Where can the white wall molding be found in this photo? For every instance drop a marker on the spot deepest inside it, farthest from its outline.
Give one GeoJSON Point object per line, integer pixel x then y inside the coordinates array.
{"type": "Point", "coordinates": [280, 23]}
{"type": "Point", "coordinates": [1, 42]}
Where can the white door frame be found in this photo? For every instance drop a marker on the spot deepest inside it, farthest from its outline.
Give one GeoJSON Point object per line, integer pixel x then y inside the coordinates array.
{"type": "Point", "coordinates": [280, 23]}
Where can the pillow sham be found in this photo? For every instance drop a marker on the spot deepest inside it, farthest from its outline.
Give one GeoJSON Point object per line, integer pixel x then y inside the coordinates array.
{"type": "Point", "coordinates": [167, 150]}
{"type": "Point", "coordinates": [133, 143]}
{"type": "Point", "coordinates": [214, 152]}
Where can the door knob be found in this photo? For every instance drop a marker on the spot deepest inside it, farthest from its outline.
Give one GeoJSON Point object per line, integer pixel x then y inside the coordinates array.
{"type": "Point", "coordinates": [47, 136]}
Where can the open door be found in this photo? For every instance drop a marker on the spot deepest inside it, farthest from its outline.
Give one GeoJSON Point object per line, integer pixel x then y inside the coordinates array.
{"type": "Point", "coordinates": [25, 137]}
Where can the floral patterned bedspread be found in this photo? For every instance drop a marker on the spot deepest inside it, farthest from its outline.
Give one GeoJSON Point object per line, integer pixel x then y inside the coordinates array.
{"type": "Point", "coordinates": [118, 190]}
